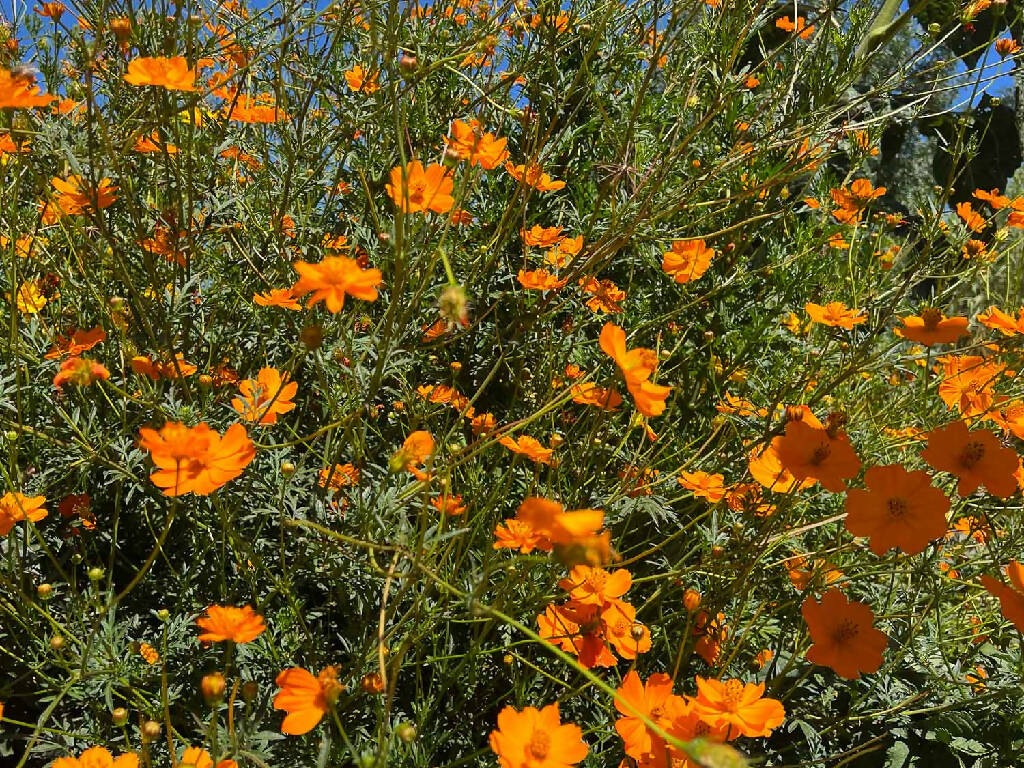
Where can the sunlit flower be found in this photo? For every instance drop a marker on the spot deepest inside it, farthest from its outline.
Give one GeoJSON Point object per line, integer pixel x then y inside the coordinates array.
{"type": "Point", "coordinates": [172, 73]}
{"type": "Point", "coordinates": [739, 706]}
{"type": "Point", "coordinates": [80, 371]}
{"type": "Point", "coordinates": [277, 297]}
{"type": "Point", "coordinates": [687, 260]}
{"type": "Point", "coordinates": [414, 189]}
{"type": "Point", "coordinates": [703, 485]}
{"type": "Point", "coordinates": [835, 314]}
{"type": "Point", "coordinates": [15, 507]}
{"type": "Point", "coordinates": [305, 698]}
{"type": "Point", "coordinates": [332, 279]}
{"type": "Point", "coordinates": [1011, 597]}
{"type": "Point", "coordinates": [533, 176]}
{"type": "Point", "coordinates": [843, 635]}
{"type": "Point", "coordinates": [226, 622]}
{"type": "Point", "coordinates": [19, 91]}
{"type": "Point", "coordinates": [534, 738]}
{"type": "Point", "coordinates": [196, 459]}
{"type": "Point", "coordinates": [97, 757]}
{"type": "Point", "coordinates": [266, 396]}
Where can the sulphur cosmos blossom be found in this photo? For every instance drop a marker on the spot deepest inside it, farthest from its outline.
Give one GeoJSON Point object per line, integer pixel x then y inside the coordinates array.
{"type": "Point", "coordinates": [899, 510]}
{"type": "Point", "coordinates": [976, 457]}
{"type": "Point", "coordinates": [305, 698]}
{"type": "Point", "coordinates": [1011, 597]}
{"type": "Point", "coordinates": [415, 189]}
{"type": "Point", "coordinates": [19, 91]}
{"type": "Point", "coordinates": [835, 314]}
{"type": "Point", "coordinates": [738, 706]}
{"type": "Point", "coordinates": [196, 459]}
{"type": "Point", "coordinates": [266, 396]}
{"type": "Point", "coordinates": [932, 327]}
{"type": "Point", "coordinates": [172, 74]}
{"type": "Point", "coordinates": [332, 279]}
{"type": "Point", "coordinates": [533, 176]}
{"type": "Point", "coordinates": [15, 507]}
{"type": "Point", "coordinates": [843, 634]}
{"type": "Point", "coordinates": [469, 142]}
{"type": "Point", "coordinates": [536, 738]}
{"type": "Point", "coordinates": [637, 366]}
{"type": "Point", "coordinates": [80, 371]}
{"type": "Point", "coordinates": [97, 757]}
{"type": "Point", "coordinates": [687, 260]}
{"type": "Point", "coordinates": [226, 622]}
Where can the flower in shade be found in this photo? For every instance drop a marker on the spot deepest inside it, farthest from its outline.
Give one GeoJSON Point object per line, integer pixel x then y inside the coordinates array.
{"type": "Point", "coordinates": [196, 459]}
{"type": "Point", "coordinates": [305, 698]}
{"type": "Point", "coordinates": [266, 396]}
{"type": "Point", "coordinates": [852, 201]}
{"type": "Point", "coordinates": [334, 277]}
{"type": "Point", "coordinates": [1011, 597]}
{"type": "Point", "coordinates": [97, 757]}
{"type": "Point", "coordinates": [843, 634]}
{"type": "Point", "coordinates": [196, 757]}
{"type": "Point", "coordinates": [414, 189]}
{"type": "Point", "coordinates": [976, 457]}
{"type": "Point", "coordinates": [900, 509]}
{"type": "Point", "coordinates": [75, 195]}
{"type": "Point", "coordinates": [1001, 321]}
{"type": "Point", "coordinates": [172, 73]}
{"type": "Point", "coordinates": [15, 507]}
{"type": "Point", "coordinates": [226, 622]}
{"type": "Point", "coordinates": [739, 706]}
{"type": "Point", "coordinates": [536, 738]}
{"type": "Point", "coordinates": [812, 453]}
{"type": "Point", "coordinates": [933, 327]}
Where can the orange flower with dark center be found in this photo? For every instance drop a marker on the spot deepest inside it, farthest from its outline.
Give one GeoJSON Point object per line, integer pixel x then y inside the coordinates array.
{"type": "Point", "coordinates": [738, 706]}
{"type": "Point", "coordinates": [266, 396]}
{"type": "Point", "coordinates": [687, 260]}
{"type": "Point", "coordinates": [703, 485]}
{"type": "Point", "coordinates": [592, 585]}
{"type": "Point", "coordinates": [536, 738]}
{"type": "Point", "coordinates": [900, 510]}
{"type": "Point", "coordinates": [835, 314]}
{"type": "Point", "coordinates": [1006, 46]}
{"type": "Point", "coordinates": [415, 189]}
{"type": "Point", "coordinates": [226, 622]}
{"type": "Point", "coordinates": [80, 371]}
{"type": "Point", "coordinates": [976, 249]}
{"type": "Point", "coordinates": [851, 202]}
{"type": "Point", "coordinates": [637, 366]}
{"type": "Point", "coordinates": [97, 757]}
{"type": "Point", "coordinates": [1011, 597]}
{"type": "Point", "coordinates": [811, 453]}
{"type": "Point", "coordinates": [843, 635]}
{"type": "Point", "coordinates": [976, 457]}
{"type": "Point", "coordinates": [933, 327]}
{"type": "Point", "coordinates": [974, 220]}
{"type": "Point", "coordinates": [196, 459]}
{"type": "Point", "coordinates": [551, 520]}
{"type": "Point", "coordinates": [968, 383]}
{"type": "Point", "coordinates": [469, 142]}
{"type": "Point", "coordinates": [172, 74]}
{"type": "Point", "coordinates": [305, 698]}
{"type": "Point", "coordinates": [332, 279]}
{"type": "Point", "coordinates": [19, 91]}
{"type": "Point", "coordinates": [654, 701]}
{"type": "Point", "coordinates": [517, 534]}
{"type": "Point", "coordinates": [15, 507]}
{"type": "Point", "coordinates": [799, 27]}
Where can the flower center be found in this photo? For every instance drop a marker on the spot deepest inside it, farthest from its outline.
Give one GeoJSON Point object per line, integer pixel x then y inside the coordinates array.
{"type": "Point", "coordinates": [846, 631]}
{"type": "Point", "coordinates": [931, 317]}
{"type": "Point", "coordinates": [973, 452]}
{"type": "Point", "coordinates": [539, 744]}
{"type": "Point", "coordinates": [897, 507]}
{"type": "Point", "coordinates": [732, 694]}
{"type": "Point", "coordinates": [596, 580]}
{"type": "Point", "coordinates": [821, 452]}
{"type": "Point", "coordinates": [657, 712]}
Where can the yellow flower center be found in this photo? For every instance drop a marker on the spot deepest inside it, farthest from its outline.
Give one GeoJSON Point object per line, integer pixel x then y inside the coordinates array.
{"type": "Point", "coordinates": [539, 744]}
{"type": "Point", "coordinates": [596, 580]}
{"type": "Point", "coordinates": [732, 694]}
{"type": "Point", "coordinates": [973, 452]}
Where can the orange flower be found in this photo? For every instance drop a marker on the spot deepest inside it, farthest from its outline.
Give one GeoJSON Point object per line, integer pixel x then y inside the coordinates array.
{"type": "Point", "coordinates": [588, 393]}
{"type": "Point", "coordinates": [196, 757]}
{"type": "Point", "coordinates": [334, 277]}
{"type": "Point", "coordinates": [835, 314]}
{"type": "Point", "coordinates": [969, 383]}
{"type": "Point", "coordinates": [516, 534]}
{"type": "Point", "coordinates": [359, 79]}
{"type": "Point", "coordinates": [337, 477]}
{"type": "Point", "coordinates": [900, 509]}
{"type": "Point", "coordinates": [1006, 46]}
{"type": "Point", "coordinates": [536, 738]}
{"type": "Point", "coordinates": [606, 295]}
{"type": "Point", "coordinates": [149, 653]}
{"type": "Point", "coordinates": [764, 657]}
{"type": "Point", "coordinates": [172, 74]}
{"type": "Point", "coordinates": [416, 190]}
{"type": "Point", "coordinates": [800, 27]}
{"type": "Point", "coordinates": [637, 366]}
{"type": "Point", "coordinates": [80, 341]}
{"type": "Point", "coordinates": [1009, 415]}
{"type": "Point", "coordinates": [711, 633]}
{"type": "Point", "coordinates": [539, 280]}
{"type": "Point", "coordinates": [19, 91]}
{"type": "Point", "coordinates": [97, 757]}
{"type": "Point", "coordinates": [52, 10]}
{"type": "Point", "coordinates": [226, 622]}
{"type": "Point", "coordinates": [15, 507]}
{"type": "Point", "coordinates": [1003, 322]}
{"type": "Point", "coordinates": [80, 371]}
{"type": "Point", "coordinates": [974, 220]}
{"type": "Point", "coordinates": [687, 260]}
{"type": "Point", "coordinates": [277, 297]}
{"type": "Point", "coordinates": [305, 698]}
{"type": "Point", "coordinates": [843, 635]}
{"type": "Point", "coordinates": [529, 447]}
{"type": "Point", "coordinates": [171, 369]}
{"type": "Point", "coordinates": [153, 143]}
{"type": "Point", "coordinates": [552, 521]}
{"type": "Point", "coordinates": [543, 237]}
{"type": "Point", "coordinates": [417, 448]}
{"type": "Point", "coordinates": [196, 459]}
{"type": "Point", "coordinates": [995, 200]}
{"type": "Point", "coordinates": [1011, 598]}
{"type": "Point", "coordinates": [976, 457]}
{"type": "Point", "coordinates": [74, 195]}
{"type": "Point", "coordinates": [628, 637]}
{"type": "Point", "coordinates": [533, 176]}
{"type": "Point", "coordinates": [469, 142]}
{"type": "Point", "coordinates": [933, 327]}
{"type": "Point", "coordinates": [591, 585]}
{"type": "Point", "coordinates": [450, 505]}
{"type": "Point", "coordinates": [977, 249]}
{"type": "Point", "coordinates": [264, 397]}
{"type": "Point", "coordinates": [704, 485]}
{"type": "Point", "coordinates": [814, 453]}
{"type": "Point", "coordinates": [576, 629]}
{"type": "Point", "coordinates": [854, 200]}
{"type": "Point", "coordinates": [564, 251]}
{"type": "Point", "coordinates": [738, 706]}
{"type": "Point", "coordinates": [653, 700]}
{"type": "Point", "coordinates": [258, 110]}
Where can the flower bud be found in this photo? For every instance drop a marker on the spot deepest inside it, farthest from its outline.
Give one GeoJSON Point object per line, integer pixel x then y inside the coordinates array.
{"type": "Point", "coordinates": [287, 468]}
{"type": "Point", "coordinates": [150, 731]}
{"type": "Point", "coordinates": [372, 683]}
{"type": "Point", "coordinates": [163, 614]}
{"type": "Point", "coordinates": [44, 591]}
{"type": "Point", "coordinates": [250, 690]}
{"type": "Point", "coordinates": [119, 716]}
{"type": "Point", "coordinates": [95, 574]}
{"type": "Point", "coordinates": [691, 600]}
{"type": "Point", "coordinates": [406, 732]}
{"type": "Point", "coordinates": [57, 643]}
{"type": "Point", "coordinates": [409, 63]}
{"type": "Point", "coordinates": [454, 305]}
{"type": "Point", "coordinates": [213, 687]}
{"type": "Point", "coordinates": [312, 336]}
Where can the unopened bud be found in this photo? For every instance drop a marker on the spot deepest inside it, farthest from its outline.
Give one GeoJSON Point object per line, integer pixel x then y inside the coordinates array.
{"type": "Point", "coordinates": [691, 600]}
{"type": "Point", "coordinates": [213, 687]}
{"type": "Point", "coordinates": [57, 643]}
{"type": "Point", "coordinates": [150, 731]}
{"type": "Point", "coordinates": [287, 468]}
{"type": "Point", "coordinates": [406, 732]}
{"type": "Point", "coordinates": [44, 591]}
{"type": "Point", "coordinates": [95, 574]}
{"type": "Point", "coordinates": [119, 716]}
{"type": "Point", "coordinates": [250, 690]}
